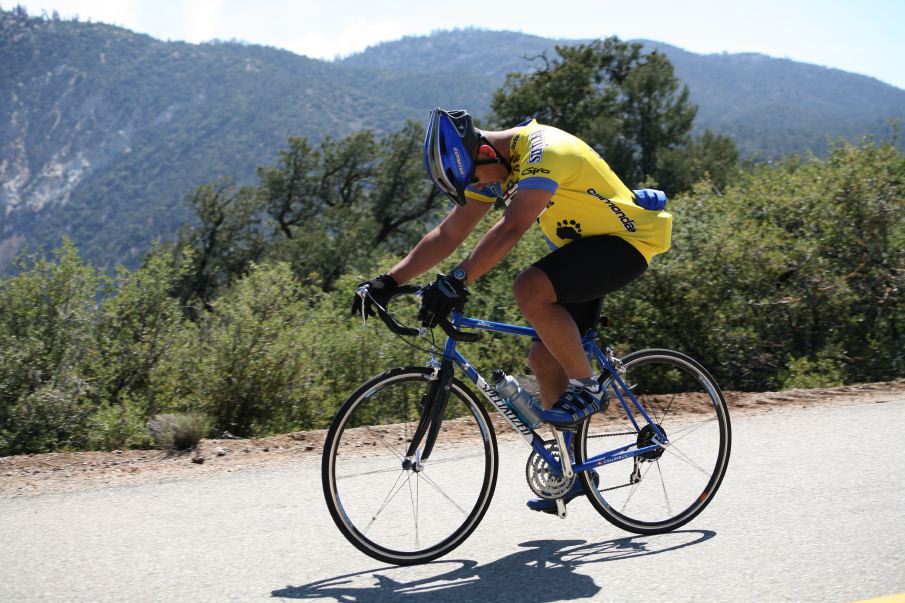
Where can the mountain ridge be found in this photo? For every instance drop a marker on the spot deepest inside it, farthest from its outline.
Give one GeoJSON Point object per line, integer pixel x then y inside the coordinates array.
{"type": "Point", "coordinates": [103, 132]}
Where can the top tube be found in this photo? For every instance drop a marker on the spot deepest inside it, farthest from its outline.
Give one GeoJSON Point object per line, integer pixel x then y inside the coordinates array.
{"type": "Point", "coordinates": [459, 320]}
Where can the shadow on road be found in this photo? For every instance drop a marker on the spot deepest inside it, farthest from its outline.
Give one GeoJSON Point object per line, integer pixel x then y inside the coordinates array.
{"type": "Point", "coordinates": [544, 571]}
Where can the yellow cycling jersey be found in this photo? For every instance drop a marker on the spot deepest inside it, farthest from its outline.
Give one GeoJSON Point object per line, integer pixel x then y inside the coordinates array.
{"type": "Point", "coordinates": [588, 198]}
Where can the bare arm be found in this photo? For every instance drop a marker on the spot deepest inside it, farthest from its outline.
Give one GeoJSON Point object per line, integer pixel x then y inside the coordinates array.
{"type": "Point", "coordinates": [439, 243]}
{"type": "Point", "coordinates": [524, 208]}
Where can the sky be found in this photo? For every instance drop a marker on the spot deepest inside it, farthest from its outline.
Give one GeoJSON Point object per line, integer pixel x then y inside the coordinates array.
{"type": "Point", "coordinates": [866, 36]}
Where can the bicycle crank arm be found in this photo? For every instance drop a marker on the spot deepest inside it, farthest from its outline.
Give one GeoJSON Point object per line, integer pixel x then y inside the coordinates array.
{"type": "Point", "coordinates": [565, 459]}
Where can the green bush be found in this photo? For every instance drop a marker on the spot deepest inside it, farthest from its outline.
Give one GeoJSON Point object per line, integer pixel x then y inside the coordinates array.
{"type": "Point", "coordinates": [137, 324]}
{"type": "Point", "coordinates": [47, 324]}
{"type": "Point", "coordinates": [119, 425]}
{"type": "Point", "coordinates": [273, 355]}
{"type": "Point", "coordinates": [800, 260]}
{"type": "Point", "coordinates": [808, 373]}
{"type": "Point", "coordinates": [790, 277]}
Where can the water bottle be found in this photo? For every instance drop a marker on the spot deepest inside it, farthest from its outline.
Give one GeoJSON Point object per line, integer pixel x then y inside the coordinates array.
{"type": "Point", "coordinates": [518, 399]}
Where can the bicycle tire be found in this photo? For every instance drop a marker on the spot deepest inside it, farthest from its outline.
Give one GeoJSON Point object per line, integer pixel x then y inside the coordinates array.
{"type": "Point", "coordinates": [458, 479]}
{"type": "Point", "coordinates": [684, 399]}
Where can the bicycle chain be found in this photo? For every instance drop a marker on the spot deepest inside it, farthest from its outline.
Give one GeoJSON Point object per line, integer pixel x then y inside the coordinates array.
{"type": "Point", "coordinates": [609, 435]}
{"type": "Point", "coordinates": [617, 487]}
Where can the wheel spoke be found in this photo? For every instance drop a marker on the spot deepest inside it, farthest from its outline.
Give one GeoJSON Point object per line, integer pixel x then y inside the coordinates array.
{"type": "Point", "coordinates": [634, 489]}
{"type": "Point", "coordinates": [665, 493]}
{"type": "Point", "coordinates": [688, 430]}
{"type": "Point", "coordinates": [370, 472]}
{"type": "Point", "coordinates": [686, 459]}
{"type": "Point", "coordinates": [390, 496]}
{"type": "Point", "coordinates": [664, 412]}
{"type": "Point", "coordinates": [684, 403]}
{"type": "Point", "coordinates": [415, 511]}
{"type": "Point", "coordinates": [453, 459]}
{"type": "Point", "coordinates": [375, 494]}
{"type": "Point", "coordinates": [442, 493]}
{"type": "Point", "coordinates": [382, 440]}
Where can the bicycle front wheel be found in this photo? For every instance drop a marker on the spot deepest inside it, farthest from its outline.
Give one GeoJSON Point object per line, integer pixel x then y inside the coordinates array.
{"type": "Point", "coordinates": [667, 487]}
{"type": "Point", "coordinates": [402, 510]}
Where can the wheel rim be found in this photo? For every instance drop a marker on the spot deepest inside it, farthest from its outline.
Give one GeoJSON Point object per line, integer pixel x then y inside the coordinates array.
{"type": "Point", "coordinates": [664, 490]}
{"type": "Point", "coordinates": [402, 511]}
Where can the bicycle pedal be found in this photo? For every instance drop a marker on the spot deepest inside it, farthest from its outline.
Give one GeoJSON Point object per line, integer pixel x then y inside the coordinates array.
{"type": "Point", "coordinates": [560, 508]}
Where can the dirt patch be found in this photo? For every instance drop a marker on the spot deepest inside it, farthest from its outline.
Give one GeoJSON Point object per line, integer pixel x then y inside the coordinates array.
{"type": "Point", "coordinates": [65, 472]}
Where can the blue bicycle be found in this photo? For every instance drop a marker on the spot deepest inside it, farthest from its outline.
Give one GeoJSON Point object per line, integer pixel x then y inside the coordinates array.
{"type": "Point", "coordinates": [410, 461]}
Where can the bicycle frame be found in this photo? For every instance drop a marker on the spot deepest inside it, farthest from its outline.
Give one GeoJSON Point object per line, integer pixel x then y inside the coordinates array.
{"type": "Point", "coordinates": [432, 414]}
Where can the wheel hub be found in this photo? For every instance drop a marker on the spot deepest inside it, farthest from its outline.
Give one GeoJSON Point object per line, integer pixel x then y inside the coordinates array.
{"type": "Point", "coordinates": [646, 438]}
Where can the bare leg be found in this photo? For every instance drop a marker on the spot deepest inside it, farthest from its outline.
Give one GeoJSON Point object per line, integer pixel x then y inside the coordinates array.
{"type": "Point", "coordinates": [551, 379]}
{"type": "Point", "coordinates": [561, 341]}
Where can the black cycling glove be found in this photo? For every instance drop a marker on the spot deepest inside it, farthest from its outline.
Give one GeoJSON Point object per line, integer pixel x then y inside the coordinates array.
{"type": "Point", "coordinates": [440, 298]}
{"type": "Point", "coordinates": [380, 290]}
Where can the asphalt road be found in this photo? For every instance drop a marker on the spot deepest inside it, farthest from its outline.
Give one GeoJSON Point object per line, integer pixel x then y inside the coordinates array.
{"type": "Point", "coordinates": [812, 509]}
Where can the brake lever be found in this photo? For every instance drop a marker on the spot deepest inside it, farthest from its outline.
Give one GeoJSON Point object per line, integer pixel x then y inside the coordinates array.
{"type": "Point", "coordinates": [363, 292]}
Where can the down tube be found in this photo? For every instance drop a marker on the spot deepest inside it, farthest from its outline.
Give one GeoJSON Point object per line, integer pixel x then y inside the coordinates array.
{"type": "Point", "coordinates": [491, 394]}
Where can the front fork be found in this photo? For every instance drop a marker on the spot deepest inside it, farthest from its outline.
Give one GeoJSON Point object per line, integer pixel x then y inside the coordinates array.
{"type": "Point", "coordinates": [433, 406]}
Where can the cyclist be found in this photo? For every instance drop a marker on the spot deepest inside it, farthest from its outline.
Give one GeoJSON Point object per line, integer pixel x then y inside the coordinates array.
{"type": "Point", "coordinates": [602, 237]}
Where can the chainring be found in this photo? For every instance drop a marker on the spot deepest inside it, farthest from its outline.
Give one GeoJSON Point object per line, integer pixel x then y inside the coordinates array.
{"type": "Point", "coordinates": [541, 479]}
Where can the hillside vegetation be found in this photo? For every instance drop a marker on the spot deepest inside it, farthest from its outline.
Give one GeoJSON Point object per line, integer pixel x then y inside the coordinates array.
{"type": "Point", "coordinates": [106, 132]}
{"type": "Point", "coordinates": [790, 277]}
{"type": "Point", "coordinates": [782, 274]}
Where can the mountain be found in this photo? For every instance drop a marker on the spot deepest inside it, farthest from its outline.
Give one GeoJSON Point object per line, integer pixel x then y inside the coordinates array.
{"type": "Point", "coordinates": [770, 107]}
{"type": "Point", "coordinates": [103, 131]}
{"type": "Point", "coordinates": [774, 107]}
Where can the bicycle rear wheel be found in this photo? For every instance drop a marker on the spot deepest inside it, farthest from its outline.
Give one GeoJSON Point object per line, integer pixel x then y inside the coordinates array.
{"type": "Point", "coordinates": [664, 489]}
{"type": "Point", "coordinates": [399, 510]}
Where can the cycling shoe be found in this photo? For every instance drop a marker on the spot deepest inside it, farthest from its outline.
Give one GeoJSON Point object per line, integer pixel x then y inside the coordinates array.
{"type": "Point", "coordinates": [548, 505]}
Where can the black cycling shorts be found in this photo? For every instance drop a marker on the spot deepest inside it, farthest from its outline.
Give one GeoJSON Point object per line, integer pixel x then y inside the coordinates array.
{"type": "Point", "coordinates": [584, 271]}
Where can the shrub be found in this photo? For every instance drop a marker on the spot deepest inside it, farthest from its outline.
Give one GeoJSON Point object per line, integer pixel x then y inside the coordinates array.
{"type": "Point", "coordinates": [810, 373]}
{"type": "Point", "coordinates": [47, 322]}
{"type": "Point", "coordinates": [137, 323]}
{"type": "Point", "coordinates": [247, 364]}
{"type": "Point", "coordinates": [178, 432]}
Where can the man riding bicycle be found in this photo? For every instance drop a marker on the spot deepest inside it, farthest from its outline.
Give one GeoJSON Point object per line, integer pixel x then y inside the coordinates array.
{"type": "Point", "coordinates": [602, 237]}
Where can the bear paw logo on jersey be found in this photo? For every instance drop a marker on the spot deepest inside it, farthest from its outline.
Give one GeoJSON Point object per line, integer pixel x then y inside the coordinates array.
{"type": "Point", "coordinates": [568, 229]}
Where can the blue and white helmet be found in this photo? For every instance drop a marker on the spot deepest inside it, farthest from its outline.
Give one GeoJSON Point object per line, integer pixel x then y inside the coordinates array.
{"type": "Point", "coordinates": [450, 148]}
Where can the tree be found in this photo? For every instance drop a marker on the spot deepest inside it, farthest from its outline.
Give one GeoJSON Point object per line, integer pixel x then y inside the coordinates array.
{"type": "Point", "coordinates": [289, 189]}
{"type": "Point", "coordinates": [333, 206]}
{"type": "Point", "coordinates": [656, 114]}
{"type": "Point", "coordinates": [229, 236]}
{"type": "Point", "coordinates": [708, 157]}
{"type": "Point", "coordinates": [403, 198]}
{"type": "Point", "coordinates": [627, 104]}
{"type": "Point", "coordinates": [317, 199]}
